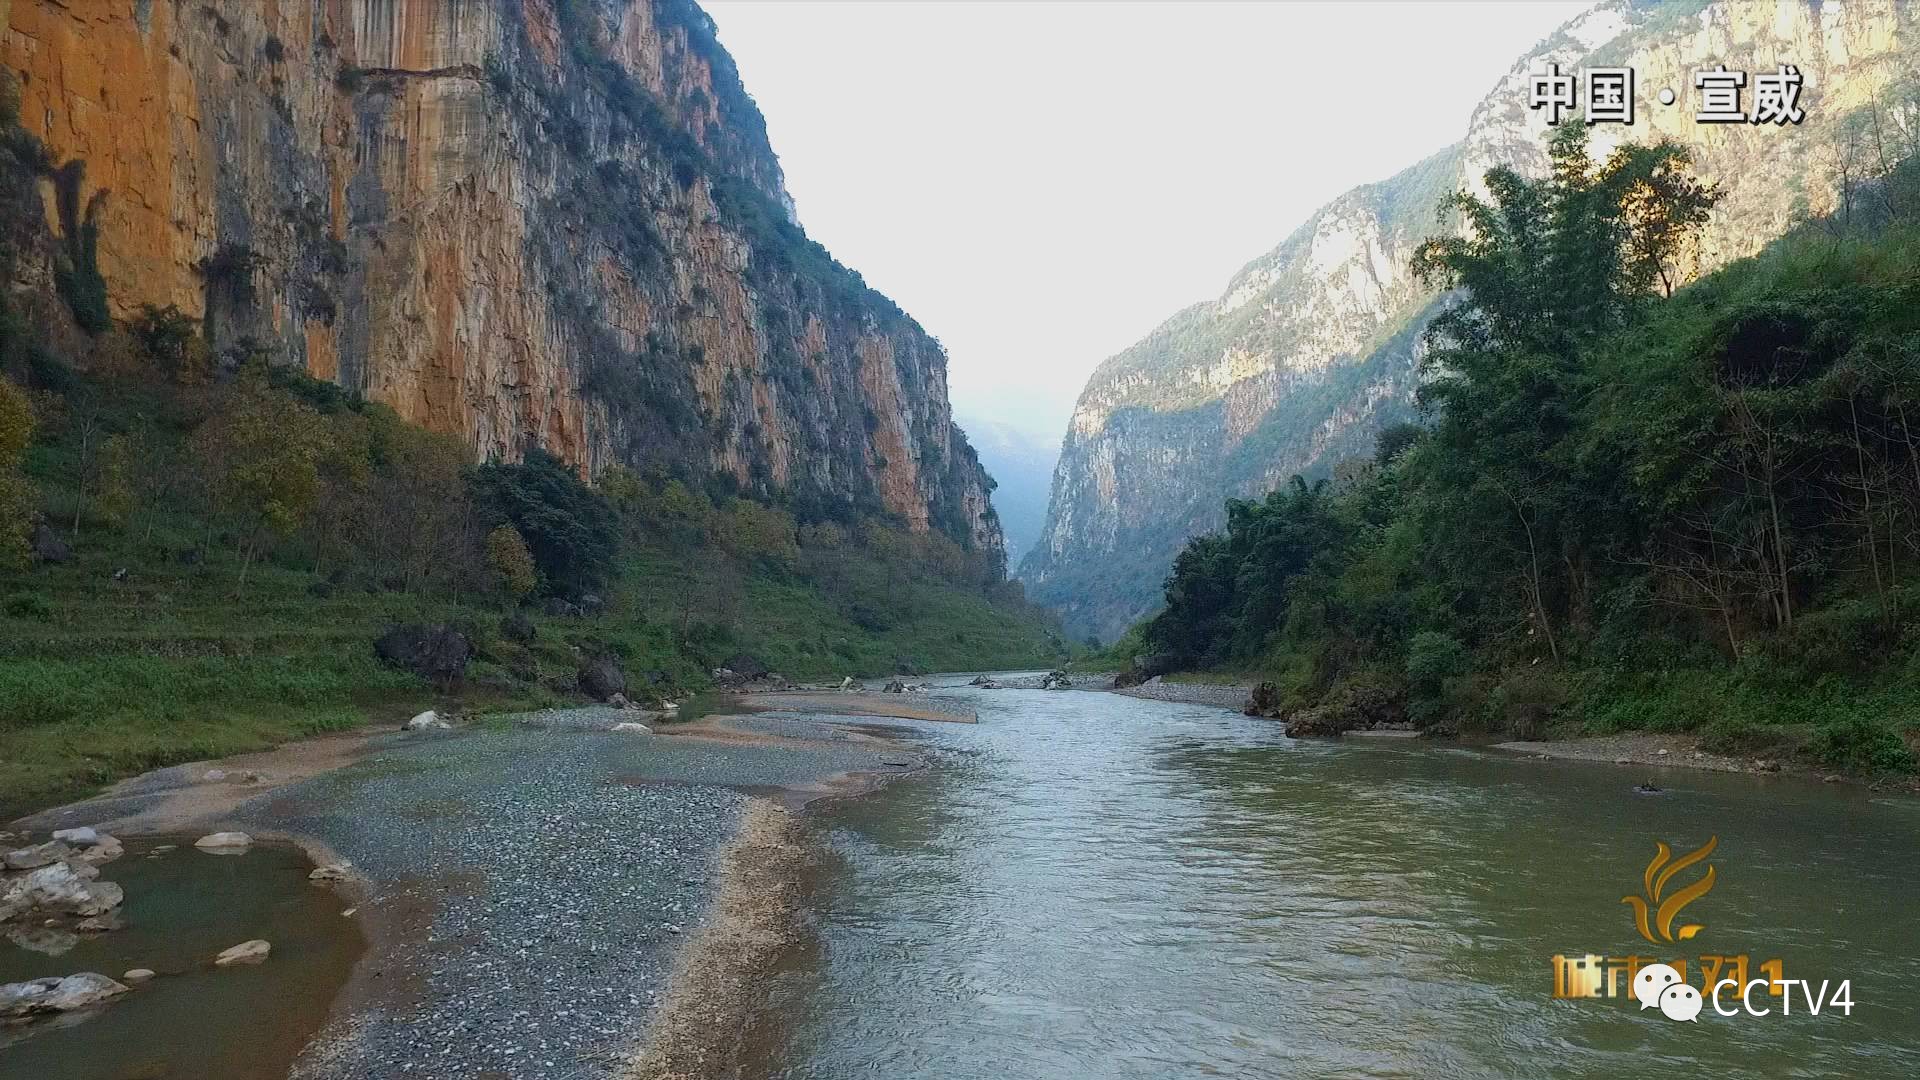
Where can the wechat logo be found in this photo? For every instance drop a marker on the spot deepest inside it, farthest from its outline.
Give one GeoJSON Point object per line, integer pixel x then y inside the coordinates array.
{"type": "Point", "coordinates": [1658, 986]}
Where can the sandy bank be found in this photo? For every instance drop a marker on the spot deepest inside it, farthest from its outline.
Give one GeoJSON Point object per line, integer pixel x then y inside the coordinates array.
{"type": "Point", "coordinates": [701, 1029]}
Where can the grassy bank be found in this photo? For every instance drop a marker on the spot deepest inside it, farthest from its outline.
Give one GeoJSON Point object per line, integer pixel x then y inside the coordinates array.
{"type": "Point", "coordinates": [182, 627]}
{"type": "Point", "coordinates": [105, 674]}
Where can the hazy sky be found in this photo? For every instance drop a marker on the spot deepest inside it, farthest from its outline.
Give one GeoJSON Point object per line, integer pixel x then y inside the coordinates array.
{"type": "Point", "coordinates": [1040, 184]}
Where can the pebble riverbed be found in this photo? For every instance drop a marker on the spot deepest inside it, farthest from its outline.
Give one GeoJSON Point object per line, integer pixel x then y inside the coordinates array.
{"type": "Point", "coordinates": [534, 884]}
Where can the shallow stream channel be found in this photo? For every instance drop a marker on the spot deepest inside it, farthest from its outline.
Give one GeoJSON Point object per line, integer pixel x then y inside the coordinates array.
{"type": "Point", "coordinates": [1083, 886]}
{"type": "Point", "coordinates": [193, 1020]}
{"type": "Point", "coordinates": [1094, 887]}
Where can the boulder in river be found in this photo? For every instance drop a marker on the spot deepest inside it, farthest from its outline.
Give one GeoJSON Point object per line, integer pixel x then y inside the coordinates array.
{"type": "Point", "coordinates": [330, 872]}
{"type": "Point", "coordinates": [32, 858]}
{"type": "Point", "coordinates": [136, 976]}
{"type": "Point", "coordinates": [435, 652]}
{"type": "Point", "coordinates": [106, 850]}
{"type": "Point", "coordinates": [223, 843]}
{"type": "Point", "coordinates": [1056, 680]}
{"type": "Point", "coordinates": [1326, 722]}
{"type": "Point", "coordinates": [247, 952]}
{"type": "Point", "coordinates": [57, 994]}
{"type": "Point", "coordinates": [66, 887]}
{"type": "Point", "coordinates": [1265, 701]}
{"type": "Point", "coordinates": [81, 837]}
{"type": "Point", "coordinates": [46, 940]}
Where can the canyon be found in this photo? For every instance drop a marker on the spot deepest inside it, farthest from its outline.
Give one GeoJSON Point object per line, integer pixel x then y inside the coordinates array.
{"type": "Point", "coordinates": [1313, 348]}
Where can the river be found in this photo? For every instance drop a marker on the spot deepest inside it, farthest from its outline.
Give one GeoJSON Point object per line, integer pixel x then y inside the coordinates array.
{"type": "Point", "coordinates": [1094, 886]}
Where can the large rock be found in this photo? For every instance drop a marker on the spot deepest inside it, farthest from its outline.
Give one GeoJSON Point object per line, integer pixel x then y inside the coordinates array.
{"type": "Point", "coordinates": [105, 850]}
{"type": "Point", "coordinates": [57, 994]}
{"type": "Point", "coordinates": [224, 842]}
{"type": "Point", "coordinates": [32, 858]}
{"type": "Point", "coordinates": [437, 652]}
{"type": "Point", "coordinates": [1265, 701]}
{"type": "Point", "coordinates": [519, 629]}
{"type": "Point", "coordinates": [428, 721]}
{"type": "Point", "coordinates": [1056, 680]}
{"type": "Point", "coordinates": [247, 952]}
{"type": "Point", "coordinates": [81, 837]}
{"type": "Point", "coordinates": [62, 888]}
{"type": "Point", "coordinates": [48, 547]}
{"type": "Point", "coordinates": [1325, 722]}
{"type": "Point", "coordinates": [600, 677]}
{"type": "Point", "coordinates": [747, 666]}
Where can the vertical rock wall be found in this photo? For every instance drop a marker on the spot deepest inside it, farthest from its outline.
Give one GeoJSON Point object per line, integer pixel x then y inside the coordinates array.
{"type": "Point", "coordinates": [530, 222]}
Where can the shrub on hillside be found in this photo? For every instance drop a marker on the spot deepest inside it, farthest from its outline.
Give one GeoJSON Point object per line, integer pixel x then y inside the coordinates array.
{"type": "Point", "coordinates": [511, 562]}
{"type": "Point", "coordinates": [570, 529]}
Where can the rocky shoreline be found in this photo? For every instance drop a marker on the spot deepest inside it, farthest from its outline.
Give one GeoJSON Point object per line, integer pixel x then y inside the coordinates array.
{"type": "Point", "coordinates": [541, 893]}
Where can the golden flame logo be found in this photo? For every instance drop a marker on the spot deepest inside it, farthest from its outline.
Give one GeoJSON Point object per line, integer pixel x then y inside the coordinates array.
{"type": "Point", "coordinates": [1652, 914]}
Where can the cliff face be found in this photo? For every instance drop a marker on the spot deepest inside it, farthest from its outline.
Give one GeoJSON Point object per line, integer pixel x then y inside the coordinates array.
{"type": "Point", "coordinates": [531, 222]}
{"type": "Point", "coordinates": [1312, 348]}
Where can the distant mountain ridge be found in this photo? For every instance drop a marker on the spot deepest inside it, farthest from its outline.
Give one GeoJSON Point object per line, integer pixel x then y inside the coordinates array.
{"type": "Point", "coordinates": [1312, 347]}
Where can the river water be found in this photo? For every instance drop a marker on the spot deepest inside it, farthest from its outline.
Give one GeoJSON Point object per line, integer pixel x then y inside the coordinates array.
{"type": "Point", "coordinates": [1095, 886]}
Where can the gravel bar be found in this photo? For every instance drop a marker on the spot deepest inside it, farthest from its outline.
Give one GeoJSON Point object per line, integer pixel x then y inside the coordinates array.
{"type": "Point", "coordinates": [526, 888]}
{"type": "Point", "coordinates": [1231, 696]}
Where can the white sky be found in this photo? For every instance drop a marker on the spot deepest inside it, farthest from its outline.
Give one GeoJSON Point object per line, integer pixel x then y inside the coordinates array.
{"type": "Point", "coordinates": [1040, 184]}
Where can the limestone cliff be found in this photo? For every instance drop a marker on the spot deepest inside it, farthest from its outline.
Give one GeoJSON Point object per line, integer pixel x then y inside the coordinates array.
{"type": "Point", "coordinates": [531, 222]}
{"type": "Point", "coordinates": [1312, 347]}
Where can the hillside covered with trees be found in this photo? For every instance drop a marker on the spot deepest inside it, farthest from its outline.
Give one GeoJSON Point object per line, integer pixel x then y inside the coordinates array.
{"type": "Point", "coordinates": [1629, 506]}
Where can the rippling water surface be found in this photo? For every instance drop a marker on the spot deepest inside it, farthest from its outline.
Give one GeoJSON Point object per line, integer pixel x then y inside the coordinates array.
{"type": "Point", "coordinates": [1100, 887]}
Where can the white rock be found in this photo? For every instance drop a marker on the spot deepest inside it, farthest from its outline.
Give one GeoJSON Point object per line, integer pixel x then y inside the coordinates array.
{"type": "Point", "coordinates": [247, 952]}
{"type": "Point", "coordinates": [81, 837]}
{"type": "Point", "coordinates": [31, 858]}
{"type": "Point", "coordinates": [224, 843]}
{"type": "Point", "coordinates": [214, 776]}
{"type": "Point", "coordinates": [57, 994]}
{"type": "Point", "coordinates": [330, 872]}
{"type": "Point", "coordinates": [1662, 752]}
{"type": "Point", "coordinates": [137, 976]}
{"type": "Point", "coordinates": [630, 726]}
{"type": "Point", "coordinates": [108, 849]}
{"type": "Point", "coordinates": [63, 887]}
{"type": "Point", "coordinates": [428, 721]}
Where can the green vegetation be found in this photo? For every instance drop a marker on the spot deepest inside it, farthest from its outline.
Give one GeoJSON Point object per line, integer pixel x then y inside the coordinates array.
{"type": "Point", "coordinates": [1633, 507]}
{"type": "Point", "coordinates": [236, 545]}
{"type": "Point", "coordinates": [226, 594]}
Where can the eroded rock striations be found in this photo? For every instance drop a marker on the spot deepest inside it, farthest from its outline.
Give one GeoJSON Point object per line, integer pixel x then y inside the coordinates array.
{"type": "Point", "coordinates": [530, 222]}
{"type": "Point", "coordinates": [1311, 349]}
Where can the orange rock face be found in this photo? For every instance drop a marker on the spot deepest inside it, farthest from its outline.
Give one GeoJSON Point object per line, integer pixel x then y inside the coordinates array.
{"type": "Point", "coordinates": [439, 205]}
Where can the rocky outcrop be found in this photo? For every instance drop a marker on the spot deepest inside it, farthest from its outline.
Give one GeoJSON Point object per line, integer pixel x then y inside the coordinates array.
{"type": "Point", "coordinates": [63, 889]}
{"type": "Point", "coordinates": [435, 652]}
{"type": "Point", "coordinates": [1312, 347]}
{"type": "Point", "coordinates": [528, 222]}
{"type": "Point", "coordinates": [56, 994]}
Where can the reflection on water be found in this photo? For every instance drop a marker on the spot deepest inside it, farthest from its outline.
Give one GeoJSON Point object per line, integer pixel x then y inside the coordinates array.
{"type": "Point", "coordinates": [1109, 887]}
{"type": "Point", "coordinates": [193, 1022]}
